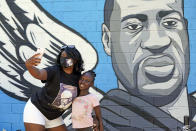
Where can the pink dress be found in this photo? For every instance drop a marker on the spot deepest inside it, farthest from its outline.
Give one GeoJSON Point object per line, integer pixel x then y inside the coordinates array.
{"type": "Point", "coordinates": [82, 108]}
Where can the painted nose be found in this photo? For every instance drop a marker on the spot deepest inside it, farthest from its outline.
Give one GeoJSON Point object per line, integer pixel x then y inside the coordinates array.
{"type": "Point", "coordinates": [155, 40]}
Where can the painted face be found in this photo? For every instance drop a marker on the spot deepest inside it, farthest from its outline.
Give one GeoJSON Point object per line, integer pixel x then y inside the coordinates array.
{"type": "Point", "coordinates": [149, 46]}
{"type": "Point", "coordinates": [85, 81]}
{"type": "Point", "coordinates": [66, 61]}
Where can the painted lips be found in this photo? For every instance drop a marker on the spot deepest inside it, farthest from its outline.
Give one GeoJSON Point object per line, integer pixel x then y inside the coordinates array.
{"type": "Point", "coordinates": [162, 66]}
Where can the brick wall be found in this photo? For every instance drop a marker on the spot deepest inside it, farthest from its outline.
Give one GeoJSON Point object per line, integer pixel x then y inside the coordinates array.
{"type": "Point", "coordinates": [85, 17]}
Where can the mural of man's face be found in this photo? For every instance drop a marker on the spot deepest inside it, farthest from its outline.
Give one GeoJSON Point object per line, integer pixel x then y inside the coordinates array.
{"type": "Point", "coordinates": [148, 43]}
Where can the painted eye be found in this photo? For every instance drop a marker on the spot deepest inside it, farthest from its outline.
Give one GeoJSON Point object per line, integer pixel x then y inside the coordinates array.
{"type": "Point", "coordinates": [170, 24]}
{"type": "Point", "coordinates": [133, 27]}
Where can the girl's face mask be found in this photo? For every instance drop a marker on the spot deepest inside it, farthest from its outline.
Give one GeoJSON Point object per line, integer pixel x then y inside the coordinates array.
{"type": "Point", "coordinates": [66, 62]}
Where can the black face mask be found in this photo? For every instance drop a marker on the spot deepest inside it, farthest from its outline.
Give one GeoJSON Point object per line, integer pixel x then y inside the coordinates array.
{"type": "Point", "coordinates": [66, 62]}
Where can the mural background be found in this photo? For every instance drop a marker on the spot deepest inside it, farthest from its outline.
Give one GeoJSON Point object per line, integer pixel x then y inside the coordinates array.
{"type": "Point", "coordinates": [86, 17]}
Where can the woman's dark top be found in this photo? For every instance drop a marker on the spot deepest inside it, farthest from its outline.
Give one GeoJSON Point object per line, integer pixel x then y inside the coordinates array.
{"type": "Point", "coordinates": [57, 94]}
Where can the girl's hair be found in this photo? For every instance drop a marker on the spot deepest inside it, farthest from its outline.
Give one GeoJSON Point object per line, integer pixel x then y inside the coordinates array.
{"type": "Point", "coordinates": [73, 53]}
{"type": "Point", "coordinates": [91, 72]}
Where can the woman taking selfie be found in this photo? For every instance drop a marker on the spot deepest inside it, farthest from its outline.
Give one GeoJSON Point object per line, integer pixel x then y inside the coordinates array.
{"type": "Point", "coordinates": [45, 108]}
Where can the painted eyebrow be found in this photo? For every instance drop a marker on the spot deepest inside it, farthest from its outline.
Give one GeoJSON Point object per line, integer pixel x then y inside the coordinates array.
{"type": "Point", "coordinates": [162, 14]}
{"type": "Point", "coordinates": [141, 17]}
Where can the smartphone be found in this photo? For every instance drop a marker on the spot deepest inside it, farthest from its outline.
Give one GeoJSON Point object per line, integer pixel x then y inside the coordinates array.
{"type": "Point", "coordinates": [40, 51]}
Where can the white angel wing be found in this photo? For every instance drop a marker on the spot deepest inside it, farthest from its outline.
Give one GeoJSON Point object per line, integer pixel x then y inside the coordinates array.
{"type": "Point", "coordinates": [25, 26]}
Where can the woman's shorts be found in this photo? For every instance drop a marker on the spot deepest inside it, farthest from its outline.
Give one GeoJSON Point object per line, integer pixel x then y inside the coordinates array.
{"type": "Point", "coordinates": [33, 115]}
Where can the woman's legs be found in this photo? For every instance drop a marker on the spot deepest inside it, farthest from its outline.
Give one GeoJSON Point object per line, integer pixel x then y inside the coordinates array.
{"type": "Point", "coordinates": [34, 120]}
{"type": "Point", "coordinates": [36, 127]}
{"type": "Point", "coordinates": [59, 128]}
{"type": "Point", "coordinates": [33, 127]}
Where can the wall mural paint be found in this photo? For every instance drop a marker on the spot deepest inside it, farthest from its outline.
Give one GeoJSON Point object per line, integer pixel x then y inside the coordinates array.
{"type": "Point", "coordinates": [148, 45]}
{"type": "Point", "coordinates": [149, 50]}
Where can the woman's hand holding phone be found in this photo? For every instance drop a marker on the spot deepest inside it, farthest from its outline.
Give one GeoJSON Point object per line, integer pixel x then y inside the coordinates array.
{"type": "Point", "coordinates": [36, 58]}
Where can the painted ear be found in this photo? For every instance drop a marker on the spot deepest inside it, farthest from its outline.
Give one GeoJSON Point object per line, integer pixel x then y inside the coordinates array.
{"type": "Point", "coordinates": [186, 23]}
{"type": "Point", "coordinates": [106, 39]}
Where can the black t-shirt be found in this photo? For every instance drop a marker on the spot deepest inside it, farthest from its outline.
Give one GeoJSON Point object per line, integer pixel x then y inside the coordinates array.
{"type": "Point", "coordinates": [57, 94]}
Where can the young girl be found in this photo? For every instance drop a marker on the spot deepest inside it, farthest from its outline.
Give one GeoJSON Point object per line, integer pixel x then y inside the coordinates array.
{"type": "Point", "coordinates": [83, 105]}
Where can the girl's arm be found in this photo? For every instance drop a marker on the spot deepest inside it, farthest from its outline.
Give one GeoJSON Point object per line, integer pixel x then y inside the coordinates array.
{"type": "Point", "coordinates": [30, 64]}
{"type": "Point", "coordinates": [97, 110]}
